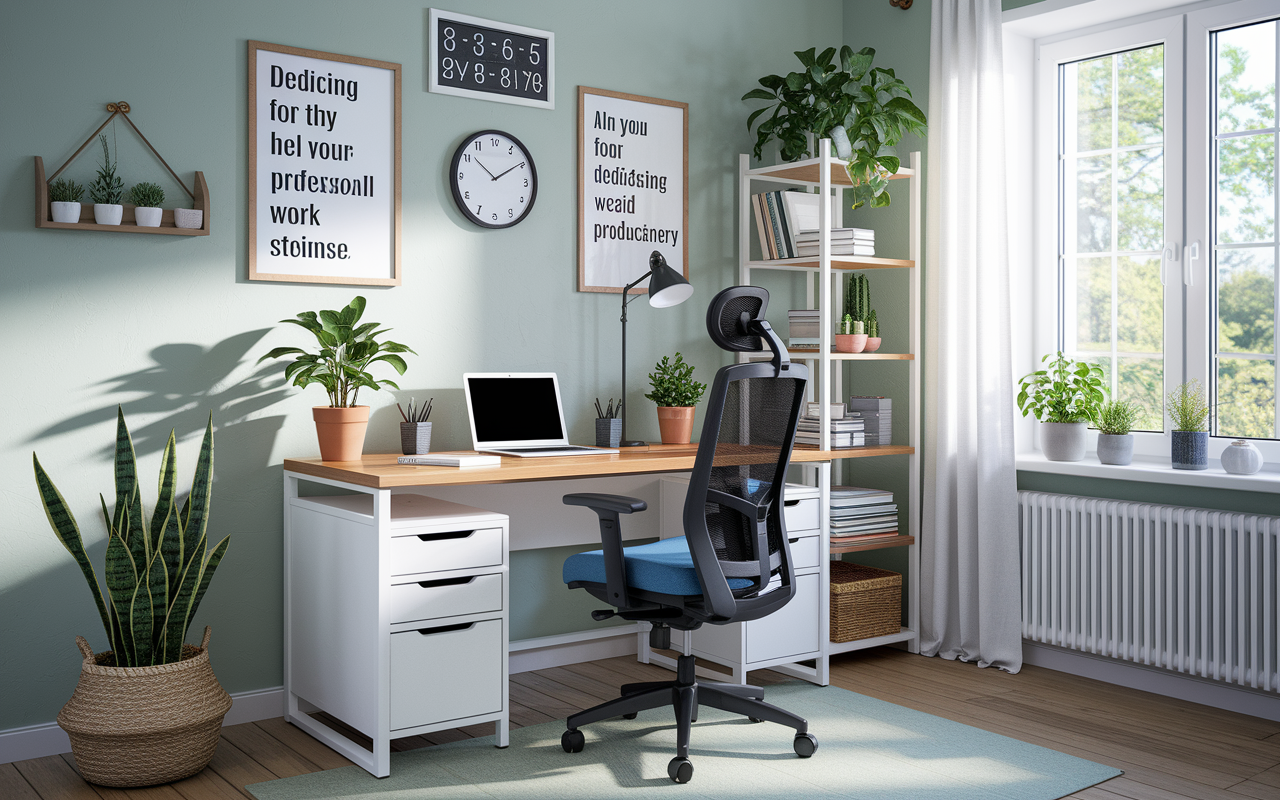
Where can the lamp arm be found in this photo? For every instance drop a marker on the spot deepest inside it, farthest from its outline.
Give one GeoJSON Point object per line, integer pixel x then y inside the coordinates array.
{"type": "Point", "coordinates": [627, 298]}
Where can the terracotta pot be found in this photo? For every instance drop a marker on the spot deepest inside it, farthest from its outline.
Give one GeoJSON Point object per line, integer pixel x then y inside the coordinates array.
{"type": "Point", "coordinates": [873, 344]}
{"type": "Point", "coordinates": [675, 423]}
{"type": "Point", "coordinates": [341, 431]}
{"type": "Point", "coordinates": [850, 342]}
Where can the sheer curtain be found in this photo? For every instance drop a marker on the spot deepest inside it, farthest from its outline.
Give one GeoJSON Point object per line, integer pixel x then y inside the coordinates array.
{"type": "Point", "coordinates": [970, 583]}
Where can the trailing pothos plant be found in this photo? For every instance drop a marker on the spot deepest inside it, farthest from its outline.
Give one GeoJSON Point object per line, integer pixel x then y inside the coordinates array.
{"type": "Point", "coordinates": [870, 105]}
{"type": "Point", "coordinates": [347, 349]}
{"type": "Point", "coordinates": [156, 572]}
{"type": "Point", "coordinates": [1067, 391]}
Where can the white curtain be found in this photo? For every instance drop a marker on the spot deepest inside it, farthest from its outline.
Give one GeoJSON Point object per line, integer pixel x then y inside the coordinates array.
{"type": "Point", "coordinates": [969, 576]}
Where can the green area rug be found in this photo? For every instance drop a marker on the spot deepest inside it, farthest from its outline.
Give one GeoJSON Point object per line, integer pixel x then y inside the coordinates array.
{"type": "Point", "coordinates": [867, 749]}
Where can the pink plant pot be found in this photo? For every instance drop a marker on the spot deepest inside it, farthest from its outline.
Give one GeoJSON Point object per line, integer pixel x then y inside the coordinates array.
{"type": "Point", "coordinates": [850, 342]}
{"type": "Point", "coordinates": [873, 344]}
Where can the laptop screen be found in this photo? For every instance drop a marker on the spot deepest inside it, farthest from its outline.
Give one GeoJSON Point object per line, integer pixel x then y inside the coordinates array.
{"type": "Point", "coordinates": [515, 409]}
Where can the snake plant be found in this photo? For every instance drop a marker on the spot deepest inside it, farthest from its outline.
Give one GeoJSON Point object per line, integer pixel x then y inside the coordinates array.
{"type": "Point", "coordinates": [156, 573]}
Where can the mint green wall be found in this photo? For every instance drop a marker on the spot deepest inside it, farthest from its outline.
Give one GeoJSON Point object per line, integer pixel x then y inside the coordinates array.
{"type": "Point", "coordinates": [170, 328]}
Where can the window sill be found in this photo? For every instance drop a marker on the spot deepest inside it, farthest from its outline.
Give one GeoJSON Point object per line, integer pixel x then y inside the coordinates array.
{"type": "Point", "coordinates": [1154, 470]}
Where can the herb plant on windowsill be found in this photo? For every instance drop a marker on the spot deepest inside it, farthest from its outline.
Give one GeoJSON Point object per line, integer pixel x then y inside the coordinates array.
{"type": "Point", "coordinates": [1065, 397]}
{"type": "Point", "coordinates": [1189, 448]}
{"type": "Point", "coordinates": [1115, 443]}
{"type": "Point", "coordinates": [676, 393]}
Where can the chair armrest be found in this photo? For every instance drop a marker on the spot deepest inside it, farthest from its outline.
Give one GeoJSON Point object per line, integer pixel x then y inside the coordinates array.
{"type": "Point", "coordinates": [617, 503]}
{"type": "Point", "coordinates": [607, 508]}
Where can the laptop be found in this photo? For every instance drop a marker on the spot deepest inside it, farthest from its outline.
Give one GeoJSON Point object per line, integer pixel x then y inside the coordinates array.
{"type": "Point", "coordinates": [519, 414]}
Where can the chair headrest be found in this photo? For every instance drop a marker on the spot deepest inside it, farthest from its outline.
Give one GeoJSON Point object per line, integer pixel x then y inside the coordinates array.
{"type": "Point", "coordinates": [735, 322]}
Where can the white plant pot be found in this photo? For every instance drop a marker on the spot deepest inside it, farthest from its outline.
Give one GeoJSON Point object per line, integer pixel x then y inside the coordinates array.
{"type": "Point", "coordinates": [107, 213]}
{"type": "Point", "coordinates": [1063, 441]}
{"type": "Point", "coordinates": [188, 217]}
{"type": "Point", "coordinates": [1241, 458]}
{"type": "Point", "coordinates": [65, 212]}
{"type": "Point", "coordinates": [148, 216]}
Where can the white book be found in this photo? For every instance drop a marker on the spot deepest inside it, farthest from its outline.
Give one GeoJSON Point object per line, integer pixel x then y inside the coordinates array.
{"type": "Point", "coordinates": [837, 249]}
{"type": "Point", "coordinates": [450, 460]}
{"type": "Point", "coordinates": [839, 234]}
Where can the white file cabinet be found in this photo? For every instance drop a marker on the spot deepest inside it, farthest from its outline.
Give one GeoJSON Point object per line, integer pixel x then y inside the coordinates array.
{"type": "Point", "coordinates": [797, 631]}
{"type": "Point", "coordinates": [396, 617]}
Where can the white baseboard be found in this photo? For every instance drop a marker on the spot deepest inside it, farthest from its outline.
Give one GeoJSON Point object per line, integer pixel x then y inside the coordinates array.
{"type": "Point", "coordinates": [1255, 703]}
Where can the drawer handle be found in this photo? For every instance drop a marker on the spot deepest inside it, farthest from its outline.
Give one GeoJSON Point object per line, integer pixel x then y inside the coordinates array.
{"type": "Point", "coordinates": [795, 540]}
{"type": "Point", "coordinates": [446, 582]}
{"type": "Point", "coordinates": [440, 537]}
{"type": "Point", "coordinates": [446, 628]}
{"type": "Point", "coordinates": [790, 503]}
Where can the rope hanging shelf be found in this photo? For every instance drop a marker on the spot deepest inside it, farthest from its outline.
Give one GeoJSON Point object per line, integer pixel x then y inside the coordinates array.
{"type": "Point", "coordinates": [44, 212]}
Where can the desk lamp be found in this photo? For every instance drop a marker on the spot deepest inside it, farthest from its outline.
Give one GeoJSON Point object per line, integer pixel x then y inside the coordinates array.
{"type": "Point", "coordinates": [666, 288]}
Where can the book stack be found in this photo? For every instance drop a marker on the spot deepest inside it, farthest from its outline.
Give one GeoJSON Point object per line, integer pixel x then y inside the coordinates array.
{"type": "Point", "coordinates": [844, 242]}
{"type": "Point", "coordinates": [803, 324]}
{"type": "Point", "coordinates": [846, 429]}
{"type": "Point", "coordinates": [877, 415]}
{"type": "Point", "coordinates": [859, 514]}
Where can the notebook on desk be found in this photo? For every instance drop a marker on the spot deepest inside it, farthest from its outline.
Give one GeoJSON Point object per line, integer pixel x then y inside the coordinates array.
{"type": "Point", "coordinates": [519, 414]}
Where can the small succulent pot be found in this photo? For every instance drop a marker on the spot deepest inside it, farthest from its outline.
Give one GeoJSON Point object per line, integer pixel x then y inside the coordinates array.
{"type": "Point", "coordinates": [873, 344]}
{"type": "Point", "coordinates": [108, 213]}
{"type": "Point", "coordinates": [65, 212]}
{"type": "Point", "coordinates": [1115, 448]}
{"type": "Point", "coordinates": [415, 438]}
{"type": "Point", "coordinates": [850, 342]}
{"type": "Point", "coordinates": [1063, 441]}
{"type": "Point", "coordinates": [1190, 450]}
{"type": "Point", "coordinates": [147, 216]}
{"type": "Point", "coordinates": [608, 432]}
{"type": "Point", "coordinates": [188, 217]}
{"type": "Point", "coordinates": [1241, 458]}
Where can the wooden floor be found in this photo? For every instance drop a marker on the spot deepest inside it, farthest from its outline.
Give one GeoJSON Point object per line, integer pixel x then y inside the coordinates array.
{"type": "Point", "coordinates": [1168, 749]}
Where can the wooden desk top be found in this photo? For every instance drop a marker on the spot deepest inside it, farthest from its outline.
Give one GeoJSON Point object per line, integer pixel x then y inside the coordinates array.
{"type": "Point", "coordinates": [382, 472]}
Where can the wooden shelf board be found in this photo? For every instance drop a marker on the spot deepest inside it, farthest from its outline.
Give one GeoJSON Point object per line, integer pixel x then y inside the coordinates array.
{"type": "Point", "coordinates": [44, 212]}
{"type": "Point", "coordinates": [808, 171]}
{"type": "Point", "coordinates": [809, 264]}
{"type": "Point", "coordinates": [905, 635]}
{"type": "Point", "coordinates": [872, 544]}
{"type": "Point", "coordinates": [856, 452]}
{"type": "Point", "coordinates": [813, 355]}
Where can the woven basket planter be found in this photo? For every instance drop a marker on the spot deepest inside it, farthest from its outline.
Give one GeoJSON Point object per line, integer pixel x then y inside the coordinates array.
{"type": "Point", "coordinates": [142, 726]}
{"type": "Point", "coordinates": [865, 602]}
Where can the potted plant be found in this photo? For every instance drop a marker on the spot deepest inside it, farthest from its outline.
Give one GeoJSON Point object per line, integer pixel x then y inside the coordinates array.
{"type": "Point", "coordinates": [150, 709]}
{"type": "Point", "coordinates": [1065, 397]}
{"type": "Point", "coordinates": [857, 299]}
{"type": "Point", "coordinates": [106, 190]}
{"type": "Point", "coordinates": [347, 350]}
{"type": "Point", "coordinates": [147, 199]}
{"type": "Point", "coordinates": [873, 332]}
{"type": "Point", "coordinates": [1115, 443]}
{"type": "Point", "coordinates": [864, 110]}
{"type": "Point", "coordinates": [850, 336]}
{"type": "Point", "coordinates": [676, 393]}
{"type": "Point", "coordinates": [1189, 412]}
{"type": "Point", "coordinates": [64, 198]}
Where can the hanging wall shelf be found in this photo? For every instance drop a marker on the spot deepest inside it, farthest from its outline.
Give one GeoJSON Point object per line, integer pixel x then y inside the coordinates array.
{"type": "Point", "coordinates": [199, 197]}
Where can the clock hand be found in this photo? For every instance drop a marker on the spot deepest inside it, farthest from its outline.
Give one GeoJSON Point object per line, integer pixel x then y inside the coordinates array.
{"type": "Point", "coordinates": [486, 169]}
{"type": "Point", "coordinates": [500, 174]}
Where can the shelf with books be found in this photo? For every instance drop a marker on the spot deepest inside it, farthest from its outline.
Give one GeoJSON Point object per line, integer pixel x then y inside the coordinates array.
{"type": "Point", "coordinates": [808, 172]}
{"type": "Point", "coordinates": [811, 264]}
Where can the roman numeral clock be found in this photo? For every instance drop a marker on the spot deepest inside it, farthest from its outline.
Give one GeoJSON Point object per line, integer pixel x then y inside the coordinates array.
{"type": "Point", "coordinates": [493, 179]}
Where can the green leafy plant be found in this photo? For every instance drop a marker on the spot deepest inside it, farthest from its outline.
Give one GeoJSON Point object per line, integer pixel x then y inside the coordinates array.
{"type": "Point", "coordinates": [346, 352]}
{"type": "Point", "coordinates": [146, 195]}
{"type": "Point", "coordinates": [65, 191]}
{"type": "Point", "coordinates": [1188, 408]}
{"type": "Point", "coordinates": [156, 573]}
{"type": "Point", "coordinates": [1067, 391]}
{"type": "Point", "coordinates": [1117, 417]}
{"type": "Point", "coordinates": [107, 187]}
{"type": "Point", "coordinates": [673, 383]}
{"type": "Point", "coordinates": [857, 297]}
{"type": "Point", "coordinates": [873, 325]}
{"type": "Point", "coordinates": [871, 103]}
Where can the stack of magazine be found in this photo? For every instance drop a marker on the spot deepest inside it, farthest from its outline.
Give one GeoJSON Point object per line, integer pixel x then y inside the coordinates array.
{"type": "Point", "coordinates": [844, 242]}
{"type": "Point", "coordinates": [846, 430]}
{"type": "Point", "coordinates": [877, 415]}
{"type": "Point", "coordinates": [859, 515]}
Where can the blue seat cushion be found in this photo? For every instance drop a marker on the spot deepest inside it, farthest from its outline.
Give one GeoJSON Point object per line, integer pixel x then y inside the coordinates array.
{"type": "Point", "coordinates": [662, 567]}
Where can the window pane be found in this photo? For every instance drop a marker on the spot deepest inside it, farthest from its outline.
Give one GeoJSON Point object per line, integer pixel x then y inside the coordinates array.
{"type": "Point", "coordinates": [1246, 188]}
{"type": "Point", "coordinates": [1093, 304]}
{"type": "Point", "coordinates": [1246, 398]}
{"type": "Point", "coordinates": [1139, 305]}
{"type": "Point", "coordinates": [1141, 381]}
{"type": "Point", "coordinates": [1246, 77]}
{"type": "Point", "coordinates": [1091, 81]}
{"type": "Point", "coordinates": [1246, 300]}
{"type": "Point", "coordinates": [1093, 203]}
{"type": "Point", "coordinates": [1141, 96]}
{"type": "Point", "coordinates": [1140, 215]}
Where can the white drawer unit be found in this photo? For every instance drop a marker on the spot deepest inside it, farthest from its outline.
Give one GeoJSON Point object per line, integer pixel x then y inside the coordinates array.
{"type": "Point", "coordinates": [396, 617]}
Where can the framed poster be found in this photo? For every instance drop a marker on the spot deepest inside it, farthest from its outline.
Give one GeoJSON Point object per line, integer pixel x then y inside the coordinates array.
{"type": "Point", "coordinates": [487, 60]}
{"type": "Point", "coordinates": [633, 187]}
{"type": "Point", "coordinates": [324, 167]}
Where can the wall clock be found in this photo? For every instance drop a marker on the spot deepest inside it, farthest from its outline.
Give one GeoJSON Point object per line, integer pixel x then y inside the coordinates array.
{"type": "Point", "coordinates": [493, 179]}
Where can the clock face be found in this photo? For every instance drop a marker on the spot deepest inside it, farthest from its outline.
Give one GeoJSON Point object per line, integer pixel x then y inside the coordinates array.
{"type": "Point", "coordinates": [493, 179]}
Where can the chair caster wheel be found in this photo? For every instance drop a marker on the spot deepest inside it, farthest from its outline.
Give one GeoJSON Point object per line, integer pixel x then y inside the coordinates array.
{"type": "Point", "coordinates": [680, 770]}
{"type": "Point", "coordinates": [573, 741]}
{"type": "Point", "coordinates": [629, 716]}
{"type": "Point", "coordinates": [805, 744]}
{"type": "Point", "coordinates": [755, 719]}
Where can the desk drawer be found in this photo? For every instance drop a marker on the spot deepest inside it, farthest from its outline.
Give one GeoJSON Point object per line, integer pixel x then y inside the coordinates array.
{"type": "Point", "coordinates": [437, 552]}
{"type": "Point", "coordinates": [801, 515]}
{"type": "Point", "coordinates": [793, 630]}
{"type": "Point", "coordinates": [806, 551]}
{"type": "Point", "coordinates": [451, 597]}
{"type": "Point", "coordinates": [444, 673]}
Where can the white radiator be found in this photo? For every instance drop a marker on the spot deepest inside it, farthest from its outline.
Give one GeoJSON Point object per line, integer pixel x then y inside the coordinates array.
{"type": "Point", "coordinates": [1184, 589]}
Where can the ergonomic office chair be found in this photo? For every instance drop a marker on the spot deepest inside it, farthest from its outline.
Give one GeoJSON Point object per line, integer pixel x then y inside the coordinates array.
{"type": "Point", "coordinates": [733, 564]}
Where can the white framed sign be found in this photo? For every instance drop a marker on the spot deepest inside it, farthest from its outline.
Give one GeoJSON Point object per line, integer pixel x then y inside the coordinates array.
{"type": "Point", "coordinates": [633, 187]}
{"type": "Point", "coordinates": [324, 167]}
{"type": "Point", "coordinates": [487, 60]}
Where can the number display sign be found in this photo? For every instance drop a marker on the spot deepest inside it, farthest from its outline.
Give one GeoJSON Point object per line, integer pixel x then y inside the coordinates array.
{"type": "Point", "coordinates": [487, 60]}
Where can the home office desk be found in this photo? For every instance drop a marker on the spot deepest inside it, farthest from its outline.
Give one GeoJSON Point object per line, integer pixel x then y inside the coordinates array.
{"type": "Point", "coordinates": [350, 648]}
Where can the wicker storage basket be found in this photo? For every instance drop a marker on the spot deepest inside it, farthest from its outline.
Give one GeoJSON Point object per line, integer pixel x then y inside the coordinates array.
{"type": "Point", "coordinates": [141, 726]}
{"type": "Point", "coordinates": [865, 602]}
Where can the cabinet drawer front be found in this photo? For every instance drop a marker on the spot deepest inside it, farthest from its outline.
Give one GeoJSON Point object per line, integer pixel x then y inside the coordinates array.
{"type": "Point", "coordinates": [801, 515]}
{"type": "Point", "coordinates": [451, 597]}
{"type": "Point", "coordinates": [806, 552]}
{"type": "Point", "coordinates": [792, 630]}
{"type": "Point", "coordinates": [444, 673]}
{"type": "Point", "coordinates": [436, 552]}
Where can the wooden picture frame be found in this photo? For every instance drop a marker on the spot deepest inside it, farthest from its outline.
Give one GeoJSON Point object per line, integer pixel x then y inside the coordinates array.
{"type": "Point", "coordinates": [626, 206]}
{"type": "Point", "coordinates": [324, 170]}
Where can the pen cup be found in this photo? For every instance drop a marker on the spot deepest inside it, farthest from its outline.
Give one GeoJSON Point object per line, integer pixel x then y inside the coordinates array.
{"type": "Point", "coordinates": [415, 438]}
{"type": "Point", "coordinates": [608, 432]}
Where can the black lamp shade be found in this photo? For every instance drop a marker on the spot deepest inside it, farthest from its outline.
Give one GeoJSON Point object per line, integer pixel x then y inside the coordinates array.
{"type": "Point", "coordinates": [666, 286]}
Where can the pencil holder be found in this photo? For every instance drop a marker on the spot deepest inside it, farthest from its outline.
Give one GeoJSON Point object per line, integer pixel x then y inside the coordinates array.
{"type": "Point", "coordinates": [608, 432]}
{"type": "Point", "coordinates": [415, 438]}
